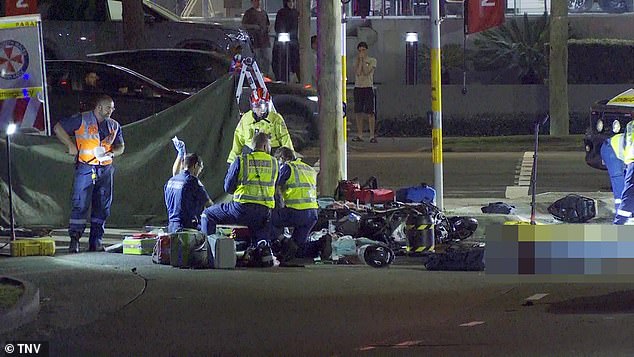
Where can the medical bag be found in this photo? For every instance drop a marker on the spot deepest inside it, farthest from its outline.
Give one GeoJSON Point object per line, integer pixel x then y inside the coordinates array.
{"type": "Point", "coordinates": [221, 252]}
{"type": "Point", "coordinates": [371, 193]}
{"type": "Point", "coordinates": [188, 249]}
{"type": "Point", "coordinates": [346, 190]}
{"type": "Point", "coordinates": [417, 194]}
{"type": "Point", "coordinates": [161, 253]}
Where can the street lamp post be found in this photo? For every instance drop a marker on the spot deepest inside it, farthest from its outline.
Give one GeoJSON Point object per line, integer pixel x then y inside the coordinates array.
{"type": "Point", "coordinates": [10, 131]}
{"type": "Point", "coordinates": [411, 58]}
{"type": "Point", "coordinates": [284, 38]}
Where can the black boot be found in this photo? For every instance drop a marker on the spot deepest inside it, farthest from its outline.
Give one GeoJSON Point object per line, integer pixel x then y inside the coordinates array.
{"type": "Point", "coordinates": [73, 247]}
{"type": "Point", "coordinates": [325, 247]}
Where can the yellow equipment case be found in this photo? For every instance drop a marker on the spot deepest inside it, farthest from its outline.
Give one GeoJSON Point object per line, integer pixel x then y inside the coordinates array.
{"type": "Point", "coordinates": [29, 247]}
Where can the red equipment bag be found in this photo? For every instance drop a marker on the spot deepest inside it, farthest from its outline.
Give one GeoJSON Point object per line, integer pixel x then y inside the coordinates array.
{"type": "Point", "coordinates": [371, 193]}
{"type": "Point", "coordinates": [161, 254]}
{"type": "Point", "coordinates": [346, 190]}
{"type": "Point", "coordinates": [374, 195]}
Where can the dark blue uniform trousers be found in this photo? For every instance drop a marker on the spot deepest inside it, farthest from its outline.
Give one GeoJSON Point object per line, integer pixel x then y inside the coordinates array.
{"type": "Point", "coordinates": [616, 170]}
{"type": "Point", "coordinates": [303, 222]}
{"type": "Point", "coordinates": [252, 215]}
{"type": "Point", "coordinates": [624, 213]}
{"type": "Point", "coordinates": [86, 194]}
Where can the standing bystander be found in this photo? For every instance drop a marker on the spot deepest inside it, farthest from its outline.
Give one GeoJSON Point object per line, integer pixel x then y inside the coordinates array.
{"type": "Point", "coordinates": [256, 22]}
{"type": "Point", "coordinates": [286, 22]}
{"type": "Point", "coordinates": [364, 67]}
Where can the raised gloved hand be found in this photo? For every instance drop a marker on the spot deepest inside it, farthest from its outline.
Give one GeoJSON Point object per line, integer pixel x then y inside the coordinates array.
{"type": "Point", "coordinates": [180, 146]}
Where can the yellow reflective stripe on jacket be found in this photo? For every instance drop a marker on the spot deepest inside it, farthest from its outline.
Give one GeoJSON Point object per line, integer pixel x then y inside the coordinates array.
{"type": "Point", "coordinates": [628, 154]}
{"type": "Point", "coordinates": [87, 138]}
{"type": "Point", "coordinates": [617, 142]}
{"type": "Point", "coordinates": [256, 179]}
{"type": "Point", "coordinates": [300, 190]}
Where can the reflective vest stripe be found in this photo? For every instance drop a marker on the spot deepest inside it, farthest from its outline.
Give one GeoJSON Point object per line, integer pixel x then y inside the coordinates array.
{"type": "Point", "coordinates": [249, 197]}
{"type": "Point", "coordinates": [77, 221]}
{"type": "Point", "coordinates": [623, 213]}
{"type": "Point", "coordinates": [299, 200]}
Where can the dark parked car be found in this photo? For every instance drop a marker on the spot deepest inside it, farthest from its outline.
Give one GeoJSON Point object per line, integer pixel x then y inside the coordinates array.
{"type": "Point", "coordinates": [73, 28]}
{"type": "Point", "coordinates": [608, 117]}
{"type": "Point", "coordinates": [192, 70]}
{"type": "Point", "coordinates": [74, 85]}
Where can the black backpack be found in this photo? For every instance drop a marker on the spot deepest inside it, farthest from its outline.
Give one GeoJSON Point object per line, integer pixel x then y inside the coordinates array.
{"type": "Point", "coordinates": [573, 209]}
{"type": "Point", "coordinates": [498, 207]}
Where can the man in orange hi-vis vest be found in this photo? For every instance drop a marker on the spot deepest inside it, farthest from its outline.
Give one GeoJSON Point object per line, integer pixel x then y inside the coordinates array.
{"type": "Point", "coordinates": [98, 139]}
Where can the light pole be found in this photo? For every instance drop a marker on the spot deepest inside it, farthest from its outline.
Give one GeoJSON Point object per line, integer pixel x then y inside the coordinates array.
{"type": "Point", "coordinates": [284, 38]}
{"type": "Point", "coordinates": [10, 131]}
{"type": "Point", "coordinates": [411, 58]}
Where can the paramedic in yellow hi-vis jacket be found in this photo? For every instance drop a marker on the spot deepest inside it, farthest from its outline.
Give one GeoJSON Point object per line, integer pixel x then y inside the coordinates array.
{"type": "Point", "coordinates": [297, 184]}
{"type": "Point", "coordinates": [259, 120]}
{"type": "Point", "coordinates": [251, 179]}
{"type": "Point", "coordinates": [624, 213]}
{"type": "Point", "coordinates": [612, 153]}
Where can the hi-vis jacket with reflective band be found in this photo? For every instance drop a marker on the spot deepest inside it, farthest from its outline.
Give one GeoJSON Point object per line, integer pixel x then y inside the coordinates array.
{"type": "Point", "coordinates": [617, 142]}
{"type": "Point", "coordinates": [628, 155]}
{"type": "Point", "coordinates": [87, 138]}
{"type": "Point", "coordinates": [274, 125]}
{"type": "Point", "coordinates": [300, 190]}
{"type": "Point", "coordinates": [256, 179]}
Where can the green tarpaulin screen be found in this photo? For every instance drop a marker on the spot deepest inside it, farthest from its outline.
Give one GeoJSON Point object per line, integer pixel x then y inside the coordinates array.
{"type": "Point", "coordinates": [42, 173]}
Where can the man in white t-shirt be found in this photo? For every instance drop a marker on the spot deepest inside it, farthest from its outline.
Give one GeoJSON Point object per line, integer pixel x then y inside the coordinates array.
{"type": "Point", "coordinates": [364, 67]}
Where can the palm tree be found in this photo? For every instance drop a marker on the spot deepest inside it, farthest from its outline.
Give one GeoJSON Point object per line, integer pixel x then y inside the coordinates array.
{"type": "Point", "coordinates": [517, 48]}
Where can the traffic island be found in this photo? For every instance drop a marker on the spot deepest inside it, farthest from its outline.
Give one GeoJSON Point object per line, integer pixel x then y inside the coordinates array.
{"type": "Point", "coordinates": [19, 303]}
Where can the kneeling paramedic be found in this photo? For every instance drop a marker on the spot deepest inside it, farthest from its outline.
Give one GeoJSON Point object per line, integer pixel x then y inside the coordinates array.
{"type": "Point", "coordinates": [297, 185]}
{"type": "Point", "coordinates": [612, 154]}
{"type": "Point", "coordinates": [251, 179]}
{"type": "Point", "coordinates": [98, 139]}
{"type": "Point", "coordinates": [624, 213]}
{"type": "Point", "coordinates": [185, 195]}
{"type": "Point", "coordinates": [259, 120]}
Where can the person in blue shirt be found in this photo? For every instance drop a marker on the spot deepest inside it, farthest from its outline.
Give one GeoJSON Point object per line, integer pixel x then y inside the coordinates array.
{"type": "Point", "coordinates": [185, 195]}
{"type": "Point", "coordinates": [97, 140]}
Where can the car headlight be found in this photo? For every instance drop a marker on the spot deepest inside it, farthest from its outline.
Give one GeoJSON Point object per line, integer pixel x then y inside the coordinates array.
{"type": "Point", "coordinates": [616, 126]}
{"type": "Point", "coordinates": [599, 125]}
{"type": "Point", "coordinates": [314, 98]}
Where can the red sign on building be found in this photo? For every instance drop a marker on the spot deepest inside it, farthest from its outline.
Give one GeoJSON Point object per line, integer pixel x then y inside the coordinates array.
{"type": "Point", "coordinates": [483, 14]}
{"type": "Point", "coordinates": [20, 7]}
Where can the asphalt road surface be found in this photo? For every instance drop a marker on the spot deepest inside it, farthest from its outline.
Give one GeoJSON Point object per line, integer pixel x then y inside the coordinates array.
{"type": "Point", "coordinates": [477, 174]}
{"type": "Point", "coordinates": [94, 305]}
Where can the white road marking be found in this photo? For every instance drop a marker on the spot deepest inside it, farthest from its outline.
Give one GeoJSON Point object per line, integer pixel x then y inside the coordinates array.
{"type": "Point", "coordinates": [472, 323]}
{"type": "Point", "coordinates": [367, 348]}
{"type": "Point", "coordinates": [536, 297]}
{"type": "Point", "coordinates": [408, 343]}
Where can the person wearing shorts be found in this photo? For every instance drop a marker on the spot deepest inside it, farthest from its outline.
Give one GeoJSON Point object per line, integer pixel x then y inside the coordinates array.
{"type": "Point", "coordinates": [364, 67]}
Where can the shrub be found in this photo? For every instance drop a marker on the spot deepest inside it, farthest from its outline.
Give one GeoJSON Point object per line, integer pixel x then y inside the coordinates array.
{"type": "Point", "coordinates": [476, 125]}
{"type": "Point", "coordinates": [600, 61]}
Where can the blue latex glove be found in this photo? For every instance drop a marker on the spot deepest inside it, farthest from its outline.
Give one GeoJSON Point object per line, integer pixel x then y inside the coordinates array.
{"type": "Point", "coordinates": [180, 146]}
